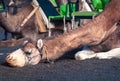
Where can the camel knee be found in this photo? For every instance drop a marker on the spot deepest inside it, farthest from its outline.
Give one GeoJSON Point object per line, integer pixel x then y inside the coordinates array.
{"type": "Point", "coordinates": [85, 54]}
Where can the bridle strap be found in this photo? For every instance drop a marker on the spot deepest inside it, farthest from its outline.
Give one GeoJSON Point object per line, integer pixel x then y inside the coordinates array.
{"type": "Point", "coordinates": [29, 58]}
{"type": "Point", "coordinates": [46, 52]}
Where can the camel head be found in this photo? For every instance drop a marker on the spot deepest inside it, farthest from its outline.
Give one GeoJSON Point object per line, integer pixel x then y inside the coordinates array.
{"type": "Point", "coordinates": [17, 2]}
{"type": "Point", "coordinates": [28, 55]}
{"type": "Point", "coordinates": [14, 5]}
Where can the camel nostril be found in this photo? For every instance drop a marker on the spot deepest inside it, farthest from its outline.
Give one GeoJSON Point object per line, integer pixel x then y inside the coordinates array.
{"type": "Point", "coordinates": [9, 58]}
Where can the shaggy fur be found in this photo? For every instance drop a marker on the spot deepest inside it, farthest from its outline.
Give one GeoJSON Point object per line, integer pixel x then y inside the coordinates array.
{"type": "Point", "coordinates": [113, 41]}
{"type": "Point", "coordinates": [92, 33]}
{"type": "Point", "coordinates": [29, 31]}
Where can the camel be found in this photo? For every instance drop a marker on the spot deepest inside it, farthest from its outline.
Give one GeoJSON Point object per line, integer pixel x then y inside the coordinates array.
{"type": "Point", "coordinates": [92, 33]}
{"type": "Point", "coordinates": [11, 20]}
{"type": "Point", "coordinates": [108, 49]}
{"type": "Point", "coordinates": [13, 23]}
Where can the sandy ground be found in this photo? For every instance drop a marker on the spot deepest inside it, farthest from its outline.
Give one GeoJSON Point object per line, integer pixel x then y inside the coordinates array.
{"type": "Point", "coordinates": [64, 69]}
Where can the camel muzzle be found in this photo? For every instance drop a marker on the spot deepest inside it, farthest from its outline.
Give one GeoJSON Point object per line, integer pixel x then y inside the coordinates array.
{"type": "Point", "coordinates": [18, 58]}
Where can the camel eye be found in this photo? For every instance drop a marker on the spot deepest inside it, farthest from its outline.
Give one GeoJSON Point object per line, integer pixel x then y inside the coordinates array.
{"type": "Point", "coordinates": [27, 52]}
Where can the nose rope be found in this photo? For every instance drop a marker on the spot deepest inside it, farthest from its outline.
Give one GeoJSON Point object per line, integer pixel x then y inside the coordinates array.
{"type": "Point", "coordinates": [43, 49]}
{"type": "Point", "coordinates": [46, 52]}
{"type": "Point", "coordinates": [29, 58]}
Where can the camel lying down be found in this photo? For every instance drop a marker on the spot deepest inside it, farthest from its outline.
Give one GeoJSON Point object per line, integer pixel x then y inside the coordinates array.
{"type": "Point", "coordinates": [92, 33]}
{"type": "Point", "coordinates": [88, 54]}
{"type": "Point", "coordinates": [31, 55]}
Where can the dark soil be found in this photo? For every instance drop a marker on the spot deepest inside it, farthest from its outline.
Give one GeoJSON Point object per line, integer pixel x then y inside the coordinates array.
{"type": "Point", "coordinates": [65, 69]}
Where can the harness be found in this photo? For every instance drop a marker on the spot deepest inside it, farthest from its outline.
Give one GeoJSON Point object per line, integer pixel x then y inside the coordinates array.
{"type": "Point", "coordinates": [29, 58]}
{"type": "Point", "coordinates": [42, 50]}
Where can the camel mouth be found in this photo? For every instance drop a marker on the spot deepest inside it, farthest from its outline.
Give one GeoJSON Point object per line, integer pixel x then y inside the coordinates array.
{"type": "Point", "coordinates": [20, 58]}
{"type": "Point", "coordinates": [17, 58]}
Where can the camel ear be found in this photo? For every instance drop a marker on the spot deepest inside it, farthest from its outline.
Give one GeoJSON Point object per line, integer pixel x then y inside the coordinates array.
{"type": "Point", "coordinates": [25, 42]}
{"type": "Point", "coordinates": [39, 43]}
{"type": "Point", "coordinates": [11, 3]}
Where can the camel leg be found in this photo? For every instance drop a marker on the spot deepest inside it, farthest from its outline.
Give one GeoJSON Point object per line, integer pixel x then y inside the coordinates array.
{"type": "Point", "coordinates": [13, 42]}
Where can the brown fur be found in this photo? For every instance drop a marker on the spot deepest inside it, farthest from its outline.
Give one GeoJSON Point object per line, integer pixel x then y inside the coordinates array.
{"type": "Point", "coordinates": [89, 34]}
{"type": "Point", "coordinates": [113, 41]}
{"type": "Point", "coordinates": [93, 33]}
{"type": "Point", "coordinates": [12, 22]}
{"type": "Point", "coordinates": [30, 30]}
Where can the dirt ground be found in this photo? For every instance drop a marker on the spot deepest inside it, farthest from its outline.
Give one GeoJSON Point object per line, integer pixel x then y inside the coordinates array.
{"type": "Point", "coordinates": [64, 69]}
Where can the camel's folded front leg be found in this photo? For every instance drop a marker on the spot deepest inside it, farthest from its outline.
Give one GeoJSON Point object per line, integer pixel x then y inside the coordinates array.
{"type": "Point", "coordinates": [88, 54]}
{"type": "Point", "coordinates": [13, 42]}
